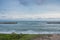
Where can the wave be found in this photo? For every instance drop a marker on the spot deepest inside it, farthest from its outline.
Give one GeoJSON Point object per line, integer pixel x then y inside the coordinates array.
{"type": "Point", "coordinates": [29, 32]}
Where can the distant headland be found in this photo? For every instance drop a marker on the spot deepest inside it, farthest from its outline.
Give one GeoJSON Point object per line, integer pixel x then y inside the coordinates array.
{"type": "Point", "coordinates": [8, 22]}
{"type": "Point", "coordinates": [53, 22]}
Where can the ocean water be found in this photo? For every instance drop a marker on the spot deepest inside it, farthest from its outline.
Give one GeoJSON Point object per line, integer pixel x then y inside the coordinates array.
{"type": "Point", "coordinates": [30, 27]}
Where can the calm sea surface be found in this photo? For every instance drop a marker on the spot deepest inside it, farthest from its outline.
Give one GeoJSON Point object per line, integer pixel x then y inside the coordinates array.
{"type": "Point", "coordinates": [30, 27]}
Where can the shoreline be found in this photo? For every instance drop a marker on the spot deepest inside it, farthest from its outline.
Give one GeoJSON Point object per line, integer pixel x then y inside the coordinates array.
{"type": "Point", "coordinates": [28, 32]}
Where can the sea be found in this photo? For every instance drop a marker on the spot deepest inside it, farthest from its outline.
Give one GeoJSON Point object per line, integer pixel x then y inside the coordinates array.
{"type": "Point", "coordinates": [30, 27]}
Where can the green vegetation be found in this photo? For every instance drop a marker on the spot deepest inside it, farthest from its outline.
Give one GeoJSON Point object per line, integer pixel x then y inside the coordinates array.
{"type": "Point", "coordinates": [28, 36]}
{"type": "Point", "coordinates": [15, 36]}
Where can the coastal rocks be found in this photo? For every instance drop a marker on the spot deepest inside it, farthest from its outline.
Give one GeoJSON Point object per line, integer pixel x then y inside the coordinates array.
{"type": "Point", "coordinates": [52, 37]}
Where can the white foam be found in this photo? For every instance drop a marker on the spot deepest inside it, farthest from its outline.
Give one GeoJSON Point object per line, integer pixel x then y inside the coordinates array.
{"type": "Point", "coordinates": [28, 32]}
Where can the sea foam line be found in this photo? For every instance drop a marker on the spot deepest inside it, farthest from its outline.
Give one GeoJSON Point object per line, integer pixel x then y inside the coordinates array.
{"type": "Point", "coordinates": [28, 32]}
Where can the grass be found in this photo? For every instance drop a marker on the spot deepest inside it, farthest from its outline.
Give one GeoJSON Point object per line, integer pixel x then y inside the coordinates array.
{"type": "Point", "coordinates": [15, 36]}
{"type": "Point", "coordinates": [28, 36]}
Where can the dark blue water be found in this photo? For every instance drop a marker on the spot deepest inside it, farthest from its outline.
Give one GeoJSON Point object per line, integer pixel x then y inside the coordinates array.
{"type": "Point", "coordinates": [30, 27]}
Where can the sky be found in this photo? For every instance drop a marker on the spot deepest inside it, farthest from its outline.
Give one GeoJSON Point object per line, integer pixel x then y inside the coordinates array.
{"type": "Point", "coordinates": [13, 9]}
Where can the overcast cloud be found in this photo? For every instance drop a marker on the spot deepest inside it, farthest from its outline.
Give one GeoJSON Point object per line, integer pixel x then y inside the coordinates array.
{"type": "Point", "coordinates": [29, 8]}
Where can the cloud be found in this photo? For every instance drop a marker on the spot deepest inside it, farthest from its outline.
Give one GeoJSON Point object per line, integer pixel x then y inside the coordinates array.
{"type": "Point", "coordinates": [33, 16]}
{"type": "Point", "coordinates": [12, 9]}
{"type": "Point", "coordinates": [31, 2]}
